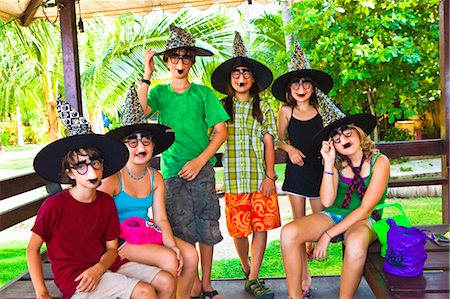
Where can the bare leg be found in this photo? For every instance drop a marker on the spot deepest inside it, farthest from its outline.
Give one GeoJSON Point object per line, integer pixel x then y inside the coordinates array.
{"type": "Point", "coordinates": [206, 257]}
{"type": "Point", "coordinates": [164, 283]}
{"type": "Point", "coordinates": [258, 249]}
{"type": "Point", "coordinates": [298, 205]}
{"type": "Point", "coordinates": [186, 280]}
{"type": "Point", "coordinates": [144, 290]}
{"type": "Point", "coordinates": [293, 238]}
{"type": "Point", "coordinates": [357, 240]}
{"type": "Point", "coordinates": [242, 249]}
{"type": "Point", "coordinates": [154, 255]}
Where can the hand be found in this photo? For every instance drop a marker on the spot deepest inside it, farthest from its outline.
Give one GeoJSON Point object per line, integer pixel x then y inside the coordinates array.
{"type": "Point", "coordinates": [296, 156]}
{"type": "Point", "coordinates": [267, 187]}
{"type": "Point", "coordinates": [179, 258]}
{"type": "Point", "coordinates": [320, 251]}
{"type": "Point", "coordinates": [191, 169]}
{"type": "Point", "coordinates": [328, 151]}
{"type": "Point", "coordinates": [90, 278]}
{"type": "Point", "coordinates": [149, 62]}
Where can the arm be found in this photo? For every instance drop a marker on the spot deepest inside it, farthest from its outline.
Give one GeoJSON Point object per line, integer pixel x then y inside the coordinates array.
{"type": "Point", "coordinates": [191, 169]}
{"type": "Point", "coordinates": [90, 277]}
{"type": "Point", "coordinates": [295, 155]}
{"type": "Point", "coordinates": [267, 186]}
{"type": "Point", "coordinates": [160, 218]}
{"type": "Point", "coordinates": [35, 266]}
{"type": "Point", "coordinates": [329, 185]}
{"type": "Point", "coordinates": [149, 67]}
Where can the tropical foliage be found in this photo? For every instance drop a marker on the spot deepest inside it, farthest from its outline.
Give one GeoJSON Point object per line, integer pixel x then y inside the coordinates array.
{"type": "Point", "coordinates": [382, 54]}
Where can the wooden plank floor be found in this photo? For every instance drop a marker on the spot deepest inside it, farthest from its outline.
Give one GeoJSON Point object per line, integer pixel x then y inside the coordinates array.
{"type": "Point", "coordinates": [323, 287]}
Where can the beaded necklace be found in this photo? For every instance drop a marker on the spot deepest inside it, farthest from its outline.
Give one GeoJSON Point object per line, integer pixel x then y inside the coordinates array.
{"type": "Point", "coordinates": [136, 178]}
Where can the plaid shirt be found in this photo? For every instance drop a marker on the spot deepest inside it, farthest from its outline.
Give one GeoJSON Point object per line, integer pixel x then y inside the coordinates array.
{"type": "Point", "coordinates": [243, 160]}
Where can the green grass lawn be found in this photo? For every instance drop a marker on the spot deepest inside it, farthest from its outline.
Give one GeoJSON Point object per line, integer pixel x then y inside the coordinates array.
{"type": "Point", "coordinates": [419, 211]}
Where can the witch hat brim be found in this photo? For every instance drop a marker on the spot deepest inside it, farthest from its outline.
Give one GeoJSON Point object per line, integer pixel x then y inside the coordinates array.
{"type": "Point", "coordinates": [221, 75]}
{"type": "Point", "coordinates": [366, 122]}
{"type": "Point", "coordinates": [162, 136]}
{"type": "Point", "coordinates": [48, 162]}
{"type": "Point", "coordinates": [196, 50]}
{"type": "Point", "coordinates": [323, 80]}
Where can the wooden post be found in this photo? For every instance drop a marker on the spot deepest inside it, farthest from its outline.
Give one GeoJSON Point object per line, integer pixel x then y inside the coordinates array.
{"type": "Point", "coordinates": [69, 45]}
{"type": "Point", "coordinates": [444, 61]}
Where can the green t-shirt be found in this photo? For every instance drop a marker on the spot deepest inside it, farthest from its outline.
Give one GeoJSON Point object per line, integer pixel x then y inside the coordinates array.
{"type": "Point", "coordinates": [190, 114]}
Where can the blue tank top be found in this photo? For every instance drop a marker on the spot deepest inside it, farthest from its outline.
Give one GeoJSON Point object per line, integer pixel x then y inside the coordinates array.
{"type": "Point", "coordinates": [129, 206]}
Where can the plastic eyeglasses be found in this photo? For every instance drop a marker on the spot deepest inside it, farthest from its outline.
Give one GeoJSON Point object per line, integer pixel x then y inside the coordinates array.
{"type": "Point", "coordinates": [342, 130]}
{"type": "Point", "coordinates": [237, 73]}
{"type": "Point", "coordinates": [82, 167]}
{"type": "Point", "coordinates": [186, 59]}
{"type": "Point", "coordinates": [133, 142]}
{"type": "Point", "coordinates": [305, 84]}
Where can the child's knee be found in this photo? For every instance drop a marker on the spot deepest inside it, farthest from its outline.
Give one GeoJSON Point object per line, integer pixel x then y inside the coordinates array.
{"type": "Point", "coordinates": [170, 261]}
{"type": "Point", "coordinates": [190, 257]}
{"type": "Point", "coordinates": [144, 290]}
{"type": "Point", "coordinates": [164, 282]}
{"type": "Point", "coordinates": [289, 235]}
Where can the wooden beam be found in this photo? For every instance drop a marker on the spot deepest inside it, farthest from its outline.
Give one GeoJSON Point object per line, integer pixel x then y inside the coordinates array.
{"type": "Point", "coordinates": [444, 70]}
{"type": "Point", "coordinates": [69, 43]}
{"type": "Point", "coordinates": [27, 16]}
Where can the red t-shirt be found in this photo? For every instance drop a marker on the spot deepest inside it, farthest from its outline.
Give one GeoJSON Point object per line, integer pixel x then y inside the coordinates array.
{"type": "Point", "coordinates": [76, 235]}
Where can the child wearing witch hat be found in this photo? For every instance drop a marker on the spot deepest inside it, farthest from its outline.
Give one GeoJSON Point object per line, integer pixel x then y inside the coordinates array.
{"type": "Point", "coordinates": [355, 179]}
{"type": "Point", "coordinates": [138, 188]}
{"type": "Point", "coordinates": [187, 166]}
{"type": "Point", "coordinates": [80, 225]}
{"type": "Point", "coordinates": [303, 91]}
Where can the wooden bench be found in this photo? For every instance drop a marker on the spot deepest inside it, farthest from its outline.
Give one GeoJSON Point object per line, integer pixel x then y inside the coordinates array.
{"type": "Point", "coordinates": [21, 286]}
{"type": "Point", "coordinates": [434, 283]}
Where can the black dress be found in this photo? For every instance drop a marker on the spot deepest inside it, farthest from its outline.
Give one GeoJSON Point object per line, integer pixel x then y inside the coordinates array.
{"type": "Point", "coordinates": [303, 180]}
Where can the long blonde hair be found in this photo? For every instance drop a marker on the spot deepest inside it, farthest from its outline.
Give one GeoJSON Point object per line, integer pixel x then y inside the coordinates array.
{"type": "Point", "coordinates": [366, 144]}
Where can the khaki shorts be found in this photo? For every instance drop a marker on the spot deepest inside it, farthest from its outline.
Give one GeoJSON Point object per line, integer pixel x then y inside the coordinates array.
{"type": "Point", "coordinates": [193, 207]}
{"type": "Point", "coordinates": [120, 284]}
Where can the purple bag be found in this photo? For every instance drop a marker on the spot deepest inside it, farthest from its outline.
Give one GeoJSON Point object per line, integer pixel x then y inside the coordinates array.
{"type": "Point", "coordinates": [405, 255]}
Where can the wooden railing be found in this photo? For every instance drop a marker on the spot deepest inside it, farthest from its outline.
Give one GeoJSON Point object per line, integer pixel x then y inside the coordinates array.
{"type": "Point", "coordinates": [434, 147]}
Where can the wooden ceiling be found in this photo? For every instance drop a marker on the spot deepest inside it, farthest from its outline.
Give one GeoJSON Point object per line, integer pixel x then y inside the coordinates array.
{"type": "Point", "coordinates": [26, 11]}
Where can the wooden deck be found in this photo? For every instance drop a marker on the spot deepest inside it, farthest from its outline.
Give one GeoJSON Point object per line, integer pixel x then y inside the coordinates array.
{"type": "Point", "coordinates": [323, 287]}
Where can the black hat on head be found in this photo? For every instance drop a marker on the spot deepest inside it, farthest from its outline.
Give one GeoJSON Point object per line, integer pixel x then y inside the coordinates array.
{"type": "Point", "coordinates": [134, 120]}
{"type": "Point", "coordinates": [48, 162]}
{"type": "Point", "coordinates": [366, 122]}
{"type": "Point", "coordinates": [299, 68]}
{"type": "Point", "coordinates": [180, 38]}
{"type": "Point", "coordinates": [221, 75]}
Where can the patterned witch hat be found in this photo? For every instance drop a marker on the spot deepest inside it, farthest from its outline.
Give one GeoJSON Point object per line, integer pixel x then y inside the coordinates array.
{"type": "Point", "coordinates": [48, 162]}
{"type": "Point", "coordinates": [180, 38]}
{"type": "Point", "coordinates": [300, 67]}
{"type": "Point", "coordinates": [133, 120]}
{"type": "Point", "coordinates": [221, 75]}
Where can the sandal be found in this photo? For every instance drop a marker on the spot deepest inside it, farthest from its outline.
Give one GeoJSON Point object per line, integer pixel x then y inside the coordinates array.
{"type": "Point", "coordinates": [210, 294]}
{"type": "Point", "coordinates": [197, 297]}
{"type": "Point", "coordinates": [247, 275]}
{"type": "Point", "coordinates": [307, 294]}
{"type": "Point", "coordinates": [256, 288]}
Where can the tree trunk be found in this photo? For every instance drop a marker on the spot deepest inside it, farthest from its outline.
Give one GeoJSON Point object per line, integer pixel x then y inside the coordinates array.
{"type": "Point", "coordinates": [20, 140]}
{"type": "Point", "coordinates": [372, 111]}
{"type": "Point", "coordinates": [50, 106]}
{"type": "Point", "coordinates": [286, 16]}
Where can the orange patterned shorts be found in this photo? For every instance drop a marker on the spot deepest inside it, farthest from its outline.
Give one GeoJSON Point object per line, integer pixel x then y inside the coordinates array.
{"type": "Point", "coordinates": [250, 212]}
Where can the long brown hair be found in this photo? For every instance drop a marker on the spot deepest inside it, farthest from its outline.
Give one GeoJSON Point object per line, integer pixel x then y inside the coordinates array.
{"type": "Point", "coordinates": [227, 102]}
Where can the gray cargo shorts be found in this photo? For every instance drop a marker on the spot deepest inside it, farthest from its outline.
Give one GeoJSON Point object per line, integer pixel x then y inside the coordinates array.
{"type": "Point", "coordinates": [193, 207]}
